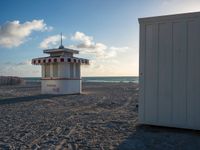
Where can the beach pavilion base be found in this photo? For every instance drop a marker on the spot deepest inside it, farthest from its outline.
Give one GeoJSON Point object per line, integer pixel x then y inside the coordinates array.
{"type": "Point", "coordinates": [55, 86]}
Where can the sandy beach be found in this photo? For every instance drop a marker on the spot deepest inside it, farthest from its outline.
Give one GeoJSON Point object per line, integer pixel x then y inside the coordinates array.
{"type": "Point", "coordinates": [104, 116]}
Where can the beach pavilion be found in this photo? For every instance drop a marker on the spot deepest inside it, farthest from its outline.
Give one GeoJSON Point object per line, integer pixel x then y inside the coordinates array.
{"type": "Point", "coordinates": [60, 71]}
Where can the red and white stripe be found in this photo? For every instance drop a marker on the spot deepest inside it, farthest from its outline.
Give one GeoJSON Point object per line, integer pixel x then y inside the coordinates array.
{"type": "Point", "coordinates": [40, 61]}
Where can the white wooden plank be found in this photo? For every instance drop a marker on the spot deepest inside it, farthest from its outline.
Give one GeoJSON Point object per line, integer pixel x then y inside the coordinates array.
{"type": "Point", "coordinates": [179, 73]}
{"type": "Point", "coordinates": [141, 73]}
{"type": "Point", "coordinates": [193, 100]}
{"type": "Point", "coordinates": [165, 74]}
{"type": "Point", "coordinates": [151, 74]}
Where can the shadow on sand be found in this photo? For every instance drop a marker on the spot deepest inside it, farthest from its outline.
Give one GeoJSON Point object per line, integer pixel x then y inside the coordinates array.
{"type": "Point", "coordinates": [153, 137]}
{"type": "Point", "coordinates": [27, 98]}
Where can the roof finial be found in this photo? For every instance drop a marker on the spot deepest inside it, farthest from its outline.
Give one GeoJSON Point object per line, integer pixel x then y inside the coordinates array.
{"type": "Point", "coordinates": [61, 46]}
{"type": "Point", "coordinates": [61, 38]}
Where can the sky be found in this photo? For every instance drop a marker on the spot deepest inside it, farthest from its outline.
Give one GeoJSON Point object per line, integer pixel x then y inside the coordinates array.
{"type": "Point", "coordinates": [104, 31]}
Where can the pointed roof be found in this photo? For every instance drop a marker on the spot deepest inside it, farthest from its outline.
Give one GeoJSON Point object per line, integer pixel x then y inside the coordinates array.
{"type": "Point", "coordinates": [54, 50]}
{"type": "Point", "coordinates": [61, 48]}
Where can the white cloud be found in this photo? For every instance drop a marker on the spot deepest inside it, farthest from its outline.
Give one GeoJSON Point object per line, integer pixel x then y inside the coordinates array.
{"type": "Point", "coordinates": [88, 46]}
{"type": "Point", "coordinates": [178, 6]}
{"type": "Point", "coordinates": [86, 40]}
{"type": "Point", "coordinates": [119, 49]}
{"type": "Point", "coordinates": [27, 62]}
{"type": "Point", "coordinates": [51, 41]}
{"type": "Point", "coordinates": [13, 34]}
{"type": "Point", "coordinates": [104, 59]}
{"type": "Point", "coordinates": [23, 69]}
{"type": "Point", "coordinates": [48, 28]}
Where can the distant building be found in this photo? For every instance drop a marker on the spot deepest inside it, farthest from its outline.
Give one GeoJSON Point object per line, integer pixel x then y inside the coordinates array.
{"type": "Point", "coordinates": [60, 71]}
{"type": "Point", "coordinates": [169, 70]}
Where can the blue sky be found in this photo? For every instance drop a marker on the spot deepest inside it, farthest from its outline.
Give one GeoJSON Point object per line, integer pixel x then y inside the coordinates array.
{"type": "Point", "coordinates": [108, 31]}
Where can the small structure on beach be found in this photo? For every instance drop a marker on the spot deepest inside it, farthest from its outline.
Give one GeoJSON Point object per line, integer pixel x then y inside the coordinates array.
{"type": "Point", "coordinates": [11, 80]}
{"type": "Point", "coordinates": [60, 71]}
{"type": "Point", "coordinates": [169, 71]}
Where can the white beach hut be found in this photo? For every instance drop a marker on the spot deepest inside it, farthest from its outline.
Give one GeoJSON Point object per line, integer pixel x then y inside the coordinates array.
{"type": "Point", "coordinates": [170, 70]}
{"type": "Point", "coordinates": [60, 71]}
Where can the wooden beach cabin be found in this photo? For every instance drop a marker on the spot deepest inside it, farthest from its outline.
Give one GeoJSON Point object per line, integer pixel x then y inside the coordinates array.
{"type": "Point", "coordinates": [169, 73]}
{"type": "Point", "coordinates": [60, 71]}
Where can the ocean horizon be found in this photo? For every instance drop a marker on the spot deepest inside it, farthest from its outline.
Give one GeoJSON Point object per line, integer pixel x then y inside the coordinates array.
{"type": "Point", "coordinates": [110, 79]}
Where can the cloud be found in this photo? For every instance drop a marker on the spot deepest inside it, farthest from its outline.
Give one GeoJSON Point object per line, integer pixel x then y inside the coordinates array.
{"type": "Point", "coordinates": [119, 49]}
{"type": "Point", "coordinates": [48, 28]}
{"type": "Point", "coordinates": [88, 46]}
{"type": "Point", "coordinates": [27, 62]}
{"type": "Point", "coordinates": [104, 59]}
{"type": "Point", "coordinates": [51, 41]}
{"type": "Point", "coordinates": [178, 6]}
{"type": "Point", "coordinates": [86, 40]}
{"type": "Point", "coordinates": [23, 69]}
{"type": "Point", "coordinates": [14, 33]}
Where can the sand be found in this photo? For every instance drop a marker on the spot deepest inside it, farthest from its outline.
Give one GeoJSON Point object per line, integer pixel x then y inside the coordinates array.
{"type": "Point", "coordinates": [104, 116]}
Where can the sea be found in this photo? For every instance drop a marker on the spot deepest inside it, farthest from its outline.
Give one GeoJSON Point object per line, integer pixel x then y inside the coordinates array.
{"type": "Point", "coordinates": [120, 79]}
